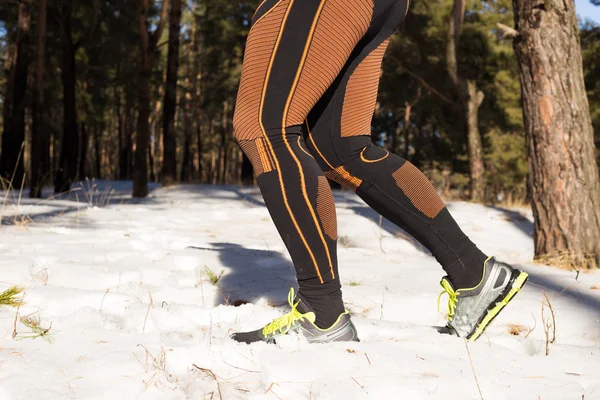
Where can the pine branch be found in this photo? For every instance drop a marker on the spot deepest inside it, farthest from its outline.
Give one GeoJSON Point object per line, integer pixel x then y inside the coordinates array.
{"type": "Point", "coordinates": [9, 296]}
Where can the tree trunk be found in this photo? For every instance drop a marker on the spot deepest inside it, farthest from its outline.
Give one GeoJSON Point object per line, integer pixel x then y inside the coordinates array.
{"type": "Point", "coordinates": [11, 159]}
{"type": "Point", "coordinates": [564, 185]}
{"type": "Point", "coordinates": [147, 49]}
{"type": "Point", "coordinates": [470, 100]}
{"type": "Point", "coordinates": [186, 165]}
{"type": "Point", "coordinates": [67, 169]}
{"type": "Point", "coordinates": [98, 151]}
{"type": "Point", "coordinates": [83, 153]}
{"type": "Point", "coordinates": [37, 126]}
{"type": "Point", "coordinates": [9, 71]}
{"type": "Point", "coordinates": [120, 133]}
{"type": "Point", "coordinates": [140, 172]}
{"type": "Point", "coordinates": [476, 166]}
{"type": "Point", "coordinates": [223, 153]}
{"type": "Point", "coordinates": [200, 171]}
{"type": "Point", "coordinates": [170, 144]}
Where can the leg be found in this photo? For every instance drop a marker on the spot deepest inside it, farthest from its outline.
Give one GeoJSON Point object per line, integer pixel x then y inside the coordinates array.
{"type": "Point", "coordinates": [339, 137]}
{"type": "Point", "coordinates": [295, 50]}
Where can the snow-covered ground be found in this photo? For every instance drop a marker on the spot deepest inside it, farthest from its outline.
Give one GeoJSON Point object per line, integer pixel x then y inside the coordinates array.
{"type": "Point", "coordinates": [134, 313]}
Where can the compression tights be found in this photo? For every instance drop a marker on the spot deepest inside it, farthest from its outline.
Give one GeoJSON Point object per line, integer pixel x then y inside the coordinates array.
{"type": "Point", "coordinates": [304, 107]}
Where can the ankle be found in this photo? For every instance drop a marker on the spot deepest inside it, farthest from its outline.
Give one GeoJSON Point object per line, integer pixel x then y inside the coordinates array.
{"type": "Point", "coordinates": [327, 309]}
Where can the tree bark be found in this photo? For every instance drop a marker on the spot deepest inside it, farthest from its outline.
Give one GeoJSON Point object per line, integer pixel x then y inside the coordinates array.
{"type": "Point", "coordinates": [223, 151]}
{"type": "Point", "coordinates": [170, 144]}
{"type": "Point", "coordinates": [9, 71]}
{"type": "Point", "coordinates": [83, 151]}
{"type": "Point", "coordinates": [67, 169]}
{"type": "Point", "coordinates": [564, 185]}
{"type": "Point", "coordinates": [186, 165]}
{"type": "Point", "coordinates": [470, 100]}
{"type": "Point", "coordinates": [200, 148]}
{"type": "Point", "coordinates": [11, 159]}
{"type": "Point", "coordinates": [476, 165]}
{"type": "Point", "coordinates": [98, 151]}
{"type": "Point", "coordinates": [38, 132]}
{"type": "Point", "coordinates": [140, 172]}
{"type": "Point", "coordinates": [147, 49]}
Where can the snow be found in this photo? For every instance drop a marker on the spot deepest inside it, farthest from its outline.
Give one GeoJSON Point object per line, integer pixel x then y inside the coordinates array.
{"type": "Point", "coordinates": [134, 313]}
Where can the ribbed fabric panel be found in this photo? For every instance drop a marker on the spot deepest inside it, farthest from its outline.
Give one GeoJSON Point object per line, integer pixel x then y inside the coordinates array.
{"type": "Point", "coordinates": [326, 208]}
{"type": "Point", "coordinates": [259, 47]}
{"type": "Point", "coordinates": [343, 177]}
{"type": "Point", "coordinates": [361, 94]}
{"type": "Point", "coordinates": [340, 27]}
{"type": "Point", "coordinates": [257, 153]}
{"type": "Point", "coordinates": [418, 189]}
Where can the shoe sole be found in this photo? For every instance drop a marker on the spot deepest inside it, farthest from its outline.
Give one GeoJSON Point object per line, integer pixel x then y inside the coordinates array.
{"type": "Point", "coordinates": [515, 285]}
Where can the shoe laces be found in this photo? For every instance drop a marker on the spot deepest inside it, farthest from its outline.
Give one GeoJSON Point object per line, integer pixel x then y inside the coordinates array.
{"type": "Point", "coordinates": [452, 297]}
{"type": "Point", "coordinates": [285, 322]}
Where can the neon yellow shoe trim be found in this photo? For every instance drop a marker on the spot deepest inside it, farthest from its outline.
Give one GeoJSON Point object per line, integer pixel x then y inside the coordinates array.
{"type": "Point", "coordinates": [519, 282]}
{"type": "Point", "coordinates": [452, 294]}
{"type": "Point", "coordinates": [452, 297]}
{"type": "Point", "coordinates": [285, 322]}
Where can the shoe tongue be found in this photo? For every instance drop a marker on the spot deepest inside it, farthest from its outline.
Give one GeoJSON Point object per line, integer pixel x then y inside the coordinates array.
{"type": "Point", "coordinates": [449, 282]}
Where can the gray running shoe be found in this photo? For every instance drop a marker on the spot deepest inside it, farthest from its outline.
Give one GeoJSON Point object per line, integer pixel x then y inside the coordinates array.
{"type": "Point", "coordinates": [471, 310]}
{"type": "Point", "coordinates": [301, 319]}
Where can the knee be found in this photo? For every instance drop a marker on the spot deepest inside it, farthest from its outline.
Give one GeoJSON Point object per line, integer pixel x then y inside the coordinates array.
{"type": "Point", "coordinates": [359, 161]}
{"type": "Point", "coordinates": [248, 134]}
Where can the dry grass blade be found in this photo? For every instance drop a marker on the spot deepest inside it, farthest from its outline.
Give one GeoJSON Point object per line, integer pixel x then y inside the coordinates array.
{"type": "Point", "coordinates": [9, 296]}
{"type": "Point", "coordinates": [548, 324]}
{"type": "Point", "coordinates": [147, 312]}
{"type": "Point", "coordinates": [102, 303]}
{"type": "Point", "coordinates": [33, 323]}
{"type": "Point", "coordinates": [531, 329]}
{"type": "Point", "coordinates": [270, 389]}
{"type": "Point", "coordinates": [361, 386]}
{"type": "Point", "coordinates": [10, 184]}
{"type": "Point", "coordinates": [516, 329]}
{"type": "Point", "coordinates": [212, 276]}
{"type": "Point", "coordinates": [473, 369]}
{"type": "Point", "coordinates": [158, 367]}
{"type": "Point", "coordinates": [569, 260]}
{"type": "Point", "coordinates": [553, 317]}
{"type": "Point", "coordinates": [212, 375]}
